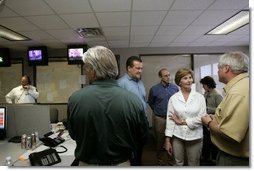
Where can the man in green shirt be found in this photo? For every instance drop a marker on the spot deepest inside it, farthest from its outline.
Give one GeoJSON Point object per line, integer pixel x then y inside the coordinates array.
{"type": "Point", "coordinates": [107, 122]}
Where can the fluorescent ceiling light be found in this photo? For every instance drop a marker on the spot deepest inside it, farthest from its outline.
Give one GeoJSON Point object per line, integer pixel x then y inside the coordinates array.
{"type": "Point", "coordinates": [233, 23]}
{"type": "Point", "coordinates": [11, 35]}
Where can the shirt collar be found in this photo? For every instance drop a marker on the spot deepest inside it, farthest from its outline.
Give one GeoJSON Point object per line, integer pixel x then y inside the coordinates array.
{"type": "Point", "coordinates": [132, 79]}
{"type": "Point", "coordinates": [105, 82]}
{"type": "Point", "coordinates": [21, 87]}
{"type": "Point", "coordinates": [235, 80]}
{"type": "Point", "coordinates": [164, 85]}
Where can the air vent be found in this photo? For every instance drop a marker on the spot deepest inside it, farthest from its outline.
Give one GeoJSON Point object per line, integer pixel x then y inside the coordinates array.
{"type": "Point", "coordinates": [89, 32]}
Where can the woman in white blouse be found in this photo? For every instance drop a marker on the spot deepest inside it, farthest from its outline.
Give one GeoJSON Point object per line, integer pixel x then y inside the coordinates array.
{"type": "Point", "coordinates": [184, 132]}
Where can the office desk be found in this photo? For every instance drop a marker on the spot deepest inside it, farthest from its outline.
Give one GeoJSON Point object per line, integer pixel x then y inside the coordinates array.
{"type": "Point", "coordinates": [20, 156]}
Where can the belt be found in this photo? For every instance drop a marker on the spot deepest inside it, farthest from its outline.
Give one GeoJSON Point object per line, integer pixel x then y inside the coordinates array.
{"type": "Point", "coordinates": [164, 117]}
{"type": "Point", "coordinates": [120, 163]}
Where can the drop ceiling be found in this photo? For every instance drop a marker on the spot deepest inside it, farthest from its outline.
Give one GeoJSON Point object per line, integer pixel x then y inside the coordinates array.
{"type": "Point", "coordinates": [124, 23]}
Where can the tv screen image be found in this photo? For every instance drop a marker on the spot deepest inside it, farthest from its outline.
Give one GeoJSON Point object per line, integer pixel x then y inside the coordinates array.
{"type": "Point", "coordinates": [2, 117]}
{"type": "Point", "coordinates": [35, 54]}
{"type": "Point", "coordinates": [75, 53]}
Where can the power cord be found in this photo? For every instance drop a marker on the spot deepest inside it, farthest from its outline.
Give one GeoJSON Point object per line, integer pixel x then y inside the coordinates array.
{"type": "Point", "coordinates": [65, 149]}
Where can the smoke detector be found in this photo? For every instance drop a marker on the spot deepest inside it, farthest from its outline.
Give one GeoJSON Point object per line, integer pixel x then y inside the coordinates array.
{"type": "Point", "coordinates": [89, 32]}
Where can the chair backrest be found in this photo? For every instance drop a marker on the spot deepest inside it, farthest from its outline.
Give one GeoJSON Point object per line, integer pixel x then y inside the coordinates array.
{"type": "Point", "coordinates": [53, 115]}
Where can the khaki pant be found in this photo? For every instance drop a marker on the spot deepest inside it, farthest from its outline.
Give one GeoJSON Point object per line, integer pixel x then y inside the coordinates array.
{"type": "Point", "coordinates": [190, 149]}
{"type": "Point", "coordinates": [126, 163]}
{"type": "Point", "coordinates": [159, 126]}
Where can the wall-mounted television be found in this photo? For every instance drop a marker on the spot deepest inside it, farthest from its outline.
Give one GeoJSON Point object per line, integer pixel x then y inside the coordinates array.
{"type": "Point", "coordinates": [3, 122]}
{"type": "Point", "coordinates": [37, 55]}
{"type": "Point", "coordinates": [5, 58]}
{"type": "Point", "coordinates": [75, 53]}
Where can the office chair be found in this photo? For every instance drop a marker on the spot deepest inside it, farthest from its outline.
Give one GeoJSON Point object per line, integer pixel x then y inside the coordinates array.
{"type": "Point", "coordinates": [53, 115]}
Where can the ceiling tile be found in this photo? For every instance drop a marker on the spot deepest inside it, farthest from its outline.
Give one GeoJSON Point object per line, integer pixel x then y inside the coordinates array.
{"type": "Point", "coordinates": [181, 18]}
{"type": "Point", "coordinates": [80, 20]}
{"type": "Point", "coordinates": [114, 19]}
{"type": "Point", "coordinates": [98, 43]}
{"type": "Point", "coordinates": [141, 30]}
{"type": "Point", "coordinates": [196, 30]}
{"type": "Point", "coordinates": [109, 38]}
{"type": "Point", "coordinates": [163, 38]}
{"type": "Point", "coordinates": [213, 17]}
{"type": "Point", "coordinates": [139, 44]}
{"type": "Point", "coordinates": [48, 22]}
{"type": "Point", "coordinates": [6, 12]}
{"type": "Point", "coordinates": [245, 30]}
{"type": "Point", "coordinates": [17, 24]}
{"type": "Point", "coordinates": [178, 44]}
{"type": "Point", "coordinates": [207, 38]}
{"type": "Point", "coordinates": [148, 18]}
{"type": "Point", "coordinates": [119, 44]}
{"type": "Point", "coordinates": [144, 5]}
{"type": "Point", "coordinates": [116, 31]}
{"type": "Point", "coordinates": [29, 7]}
{"type": "Point", "coordinates": [158, 44]}
{"type": "Point", "coordinates": [145, 38]}
{"type": "Point", "coordinates": [170, 30]}
{"type": "Point", "coordinates": [186, 38]}
{"type": "Point", "coordinates": [63, 34]}
{"type": "Point", "coordinates": [37, 35]}
{"type": "Point", "coordinates": [191, 4]}
{"type": "Point", "coordinates": [151, 23]}
{"type": "Point", "coordinates": [232, 4]}
{"type": "Point", "coordinates": [69, 6]}
{"type": "Point", "coordinates": [111, 5]}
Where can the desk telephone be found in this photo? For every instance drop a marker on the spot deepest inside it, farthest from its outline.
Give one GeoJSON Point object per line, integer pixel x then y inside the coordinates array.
{"type": "Point", "coordinates": [46, 157]}
{"type": "Point", "coordinates": [52, 142]}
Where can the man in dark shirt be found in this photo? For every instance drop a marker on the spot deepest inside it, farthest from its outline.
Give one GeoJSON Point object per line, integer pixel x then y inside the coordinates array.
{"type": "Point", "coordinates": [106, 121]}
{"type": "Point", "coordinates": [158, 98]}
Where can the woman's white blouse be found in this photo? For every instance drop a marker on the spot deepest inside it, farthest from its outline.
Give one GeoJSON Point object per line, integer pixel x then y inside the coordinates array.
{"type": "Point", "coordinates": [191, 111]}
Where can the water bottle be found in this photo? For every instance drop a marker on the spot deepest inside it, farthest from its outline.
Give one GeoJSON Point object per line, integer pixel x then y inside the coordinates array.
{"type": "Point", "coordinates": [8, 161]}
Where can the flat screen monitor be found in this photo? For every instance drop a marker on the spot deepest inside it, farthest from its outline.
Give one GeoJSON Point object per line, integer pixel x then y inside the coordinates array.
{"type": "Point", "coordinates": [2, 118]}
{"type": "Point", "coordinates": [75, 53]}
{"type": "Point", "coordinates": [37, 56]}
{"type": "Point", "coordinates": [3, 122]}
{"type": "Point", "coordinates": [5, 59]}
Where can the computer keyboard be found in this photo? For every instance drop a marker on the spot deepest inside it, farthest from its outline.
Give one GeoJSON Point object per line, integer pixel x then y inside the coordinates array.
{"type": "Point", "coordinates": [15, 139]}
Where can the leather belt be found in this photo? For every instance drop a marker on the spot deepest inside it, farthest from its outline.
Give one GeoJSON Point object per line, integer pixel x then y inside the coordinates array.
{"type": "Point", "coordinates": [164, 117]}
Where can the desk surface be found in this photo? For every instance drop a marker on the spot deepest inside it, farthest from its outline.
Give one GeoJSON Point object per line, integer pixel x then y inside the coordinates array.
{"type": "Point", "coordinates": [20, 156]}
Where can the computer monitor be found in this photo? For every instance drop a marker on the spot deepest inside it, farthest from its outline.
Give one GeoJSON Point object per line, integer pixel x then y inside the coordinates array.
{"type": "Point", "coordinates": [3, 122]}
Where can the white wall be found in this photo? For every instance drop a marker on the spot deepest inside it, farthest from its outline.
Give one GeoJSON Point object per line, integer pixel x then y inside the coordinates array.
{"type": "Point", "coordinates": [127, 52]}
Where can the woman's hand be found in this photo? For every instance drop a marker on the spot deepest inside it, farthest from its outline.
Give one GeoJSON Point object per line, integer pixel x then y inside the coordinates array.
{"type": "Point", "coordinates": [168, 146]}
{"type": "Point", "coordinates": [177, 119]}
